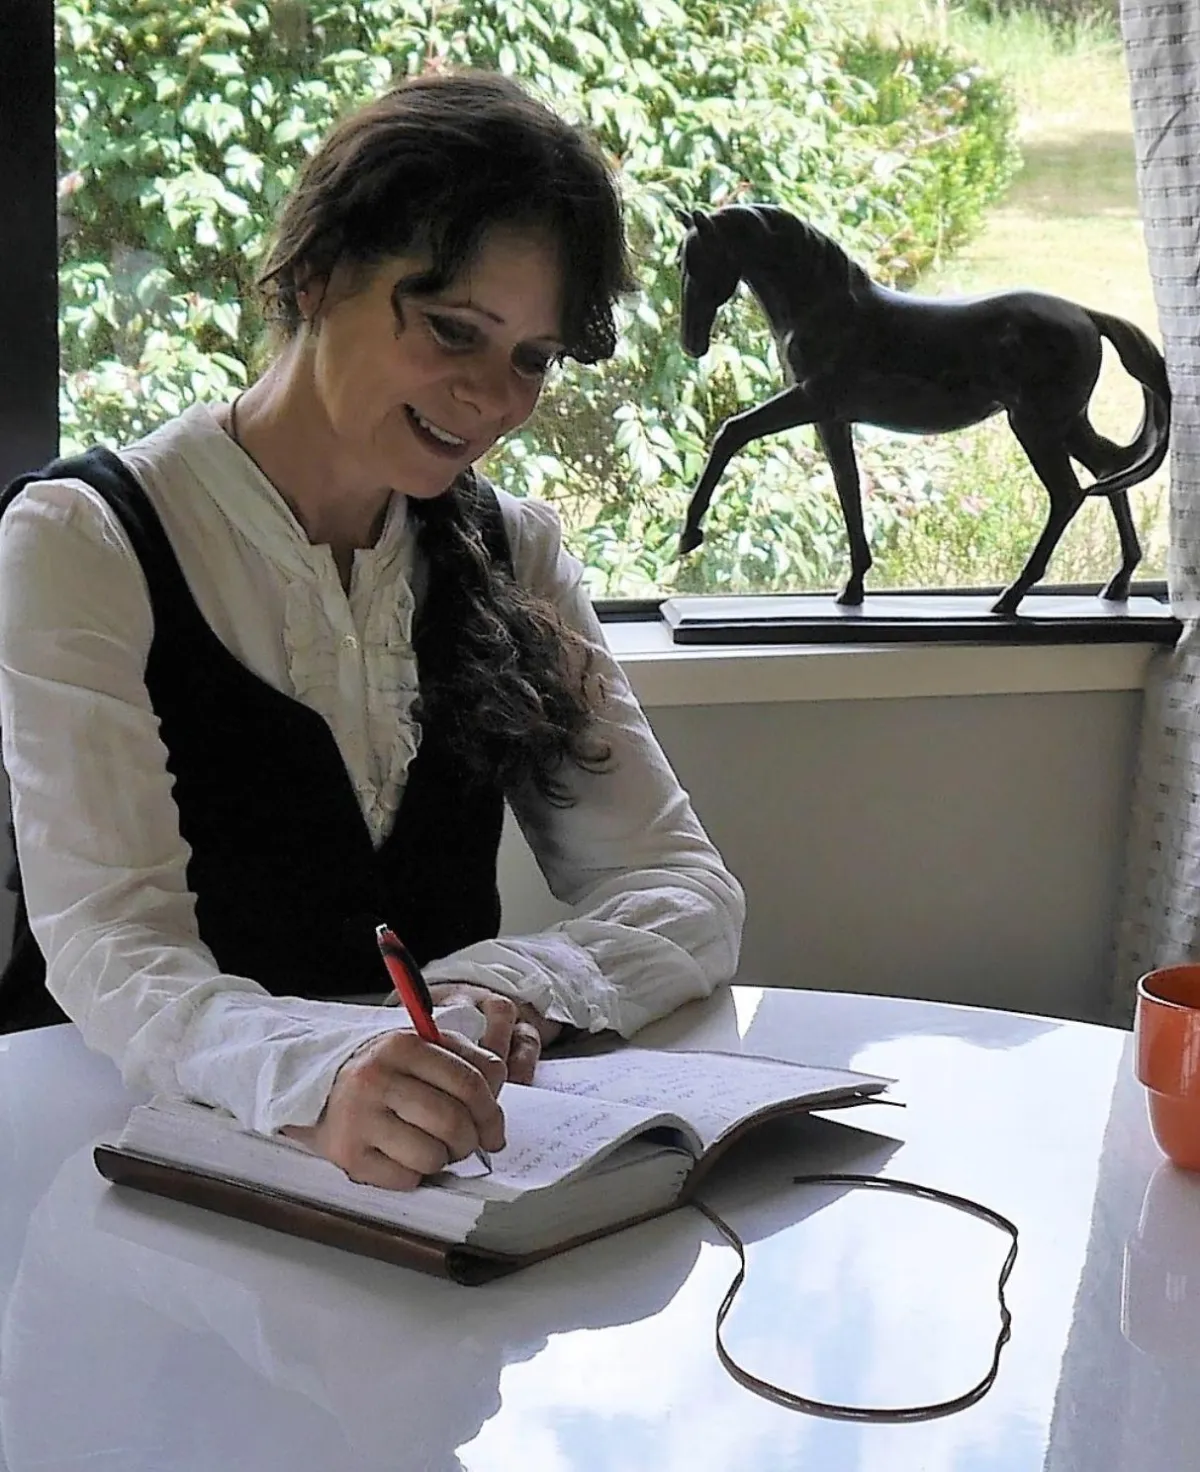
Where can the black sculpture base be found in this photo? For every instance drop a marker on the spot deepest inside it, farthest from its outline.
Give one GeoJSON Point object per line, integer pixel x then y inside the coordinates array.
{"type": "Point", "coordinates": [925, 618]}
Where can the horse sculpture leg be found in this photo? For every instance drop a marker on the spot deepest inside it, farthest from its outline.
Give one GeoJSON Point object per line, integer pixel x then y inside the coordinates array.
{"type": "Point", "coordinates": [1048, 455]}
{"type": "Point", "coordinates": [1116, 590]}
{"type": "Point", "coordinates": [1102, 456]}
{"type": "Point", "coordinates": [783, 411]}
{"type": "Point", "coordinates": [838, 443]}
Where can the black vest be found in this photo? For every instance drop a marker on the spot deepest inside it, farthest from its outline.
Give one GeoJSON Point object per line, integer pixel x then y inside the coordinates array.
{"type": "Point", "coordinates": [288, 883]}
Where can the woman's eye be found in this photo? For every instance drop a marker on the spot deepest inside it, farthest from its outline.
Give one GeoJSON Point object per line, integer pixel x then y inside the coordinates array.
{"type": "Point", "coordinates": [535, 365]}
{"type": "Point", "coordinates": [450, 332]}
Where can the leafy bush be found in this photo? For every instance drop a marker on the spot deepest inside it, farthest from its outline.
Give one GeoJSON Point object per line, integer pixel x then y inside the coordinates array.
{"type": "Point", "coordinates": [182, 127]}
{"type": "Point", "coordinates": [951, 120]}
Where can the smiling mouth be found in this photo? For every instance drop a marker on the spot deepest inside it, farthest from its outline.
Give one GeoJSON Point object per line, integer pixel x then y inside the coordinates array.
{"type": "Point", "coordinates": [433, 435]}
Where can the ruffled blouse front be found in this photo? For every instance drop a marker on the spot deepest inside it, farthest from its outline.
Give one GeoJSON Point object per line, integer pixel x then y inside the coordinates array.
{"type": "Point", "coordinates": [372, 670]}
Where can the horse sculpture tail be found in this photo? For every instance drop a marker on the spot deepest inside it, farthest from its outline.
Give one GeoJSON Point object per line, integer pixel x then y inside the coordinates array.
{"type": "Point", "coordinates": [1143, 361]}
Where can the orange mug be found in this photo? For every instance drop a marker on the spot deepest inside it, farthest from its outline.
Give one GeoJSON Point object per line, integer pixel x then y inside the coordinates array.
{"type": "Point", "coordinates": [1167, 1043]}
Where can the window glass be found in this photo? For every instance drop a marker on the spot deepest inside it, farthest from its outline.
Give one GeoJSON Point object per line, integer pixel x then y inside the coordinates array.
{"type": "Point", "coordinates": [922, 142]}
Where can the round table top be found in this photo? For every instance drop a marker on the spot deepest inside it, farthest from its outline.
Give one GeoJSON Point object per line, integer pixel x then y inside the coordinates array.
{"type": "Point", "coordinates": [139, 1333]}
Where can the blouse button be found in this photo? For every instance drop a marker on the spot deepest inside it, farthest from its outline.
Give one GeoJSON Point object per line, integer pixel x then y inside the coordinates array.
{"type": "Point", "coordinates": [349, 641]}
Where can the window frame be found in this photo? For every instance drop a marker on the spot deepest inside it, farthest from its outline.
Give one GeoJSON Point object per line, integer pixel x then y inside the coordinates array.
{"type": "Point", "coordinates": [28, 238]}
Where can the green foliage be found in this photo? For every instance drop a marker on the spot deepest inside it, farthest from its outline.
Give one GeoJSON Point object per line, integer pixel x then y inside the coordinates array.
{"type": "Point", "coordinates": [182, 128]}
{"type": "Point", "coordinates": [949, 121]}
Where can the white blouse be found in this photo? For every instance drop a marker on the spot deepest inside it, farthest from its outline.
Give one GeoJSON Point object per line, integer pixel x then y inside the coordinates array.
{"type": "Point", "coordinates": [654, 920]}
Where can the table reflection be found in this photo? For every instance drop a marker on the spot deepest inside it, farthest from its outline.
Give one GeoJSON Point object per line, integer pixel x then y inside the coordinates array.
{"type": "Point", "coordinates": [311, 1356]}
{"type": "Point", "coordinates": [1160, 1298]}
{"type": "Point", "coordinates": [1126, 1398]}
{"type": "Point", "coordinates": [122, 1302]}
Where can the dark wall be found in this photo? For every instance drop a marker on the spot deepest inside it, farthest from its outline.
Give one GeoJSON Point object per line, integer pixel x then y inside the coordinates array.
{"type": "Point", "coordinates": [28, 238]}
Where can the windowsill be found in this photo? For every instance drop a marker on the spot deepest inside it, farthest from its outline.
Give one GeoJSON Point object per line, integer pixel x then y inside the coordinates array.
{"type": "Point", "coordinates": [663, 673]}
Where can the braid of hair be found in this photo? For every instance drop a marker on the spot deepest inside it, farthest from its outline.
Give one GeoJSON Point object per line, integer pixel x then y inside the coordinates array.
{"type": "Point", "coordinates": [513, 683]}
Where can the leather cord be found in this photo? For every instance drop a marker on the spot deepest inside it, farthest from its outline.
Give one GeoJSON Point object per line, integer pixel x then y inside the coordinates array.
{"type": "Point", "coordinates": [890, 1414]}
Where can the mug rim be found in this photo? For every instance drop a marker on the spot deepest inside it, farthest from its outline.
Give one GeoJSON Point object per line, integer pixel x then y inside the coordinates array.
{"type": "Point", "coordinates": [1145, 990]}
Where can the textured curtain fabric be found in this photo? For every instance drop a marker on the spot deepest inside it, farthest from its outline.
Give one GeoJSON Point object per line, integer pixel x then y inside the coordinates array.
{"type": "Point", "coordinates": [1159, 920]}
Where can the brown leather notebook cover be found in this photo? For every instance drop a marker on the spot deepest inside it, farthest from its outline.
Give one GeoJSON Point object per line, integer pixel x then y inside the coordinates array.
{"type": "Point", "coordinates": [303, 1219]}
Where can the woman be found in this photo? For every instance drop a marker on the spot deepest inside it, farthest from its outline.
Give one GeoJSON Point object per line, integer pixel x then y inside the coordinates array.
{"type": "Point", "coordinates": [269, 676]}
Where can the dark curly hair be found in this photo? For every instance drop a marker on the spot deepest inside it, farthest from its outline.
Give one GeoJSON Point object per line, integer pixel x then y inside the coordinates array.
{"type": "Point", "coordinates": [428, 169]}
{"type": "Point", "coordinates": [516, 681]}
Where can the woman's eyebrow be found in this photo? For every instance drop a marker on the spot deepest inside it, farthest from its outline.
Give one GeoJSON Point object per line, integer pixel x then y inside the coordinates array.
{"type": "Point", "coordinates": [469, 306]}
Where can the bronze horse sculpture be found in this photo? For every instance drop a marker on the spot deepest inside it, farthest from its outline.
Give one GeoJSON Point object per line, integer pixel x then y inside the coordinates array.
{"type": "Point", "coordinates": [856, 352]}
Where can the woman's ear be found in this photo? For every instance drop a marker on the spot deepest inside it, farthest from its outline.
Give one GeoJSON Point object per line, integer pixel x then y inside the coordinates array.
{"type": "Point", "coordinates": [310, 293]}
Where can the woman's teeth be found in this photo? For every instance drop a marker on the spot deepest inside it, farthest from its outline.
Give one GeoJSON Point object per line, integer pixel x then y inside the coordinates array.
{"type": "Point", "coordinates": [453, 440]}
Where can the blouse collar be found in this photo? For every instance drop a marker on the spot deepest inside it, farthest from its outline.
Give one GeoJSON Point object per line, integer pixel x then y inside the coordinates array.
{"type": "Point", "coordinates": [251, 503]}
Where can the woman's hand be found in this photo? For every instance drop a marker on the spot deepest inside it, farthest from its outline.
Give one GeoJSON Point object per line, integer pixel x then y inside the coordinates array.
{"type": "Point", "coordinates": [401, 1109]}
{"type": "Point", "coordinates": [512, 1030]}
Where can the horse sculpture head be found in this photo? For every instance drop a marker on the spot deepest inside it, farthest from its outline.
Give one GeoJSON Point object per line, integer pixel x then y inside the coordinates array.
{"type": "Point", "coordinates": [709, 277]}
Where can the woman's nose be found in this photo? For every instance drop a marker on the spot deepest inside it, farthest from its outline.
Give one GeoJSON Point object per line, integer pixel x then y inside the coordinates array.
{"type": "Point", "coordinates": [489, 388]}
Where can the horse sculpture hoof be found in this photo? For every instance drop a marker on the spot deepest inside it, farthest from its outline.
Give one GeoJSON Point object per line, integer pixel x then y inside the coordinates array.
{"type": "Point", "coordinates": [1117, 591]}
{"type": "Point", "coordinates": [690, 540]}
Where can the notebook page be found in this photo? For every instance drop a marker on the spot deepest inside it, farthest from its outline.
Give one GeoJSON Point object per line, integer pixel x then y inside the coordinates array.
{"type": "Point", "coordinates": [554, 1137]}
{"type": "Point", "coordinates": [713, 1091]}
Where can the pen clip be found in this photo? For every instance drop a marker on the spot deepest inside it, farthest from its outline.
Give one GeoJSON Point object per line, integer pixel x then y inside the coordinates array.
{"type": "Point", "coordinates": [390, 944]}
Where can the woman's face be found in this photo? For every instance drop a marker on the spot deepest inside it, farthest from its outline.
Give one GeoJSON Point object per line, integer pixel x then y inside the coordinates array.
{"type": "Point", "coordinates": [415, 389]}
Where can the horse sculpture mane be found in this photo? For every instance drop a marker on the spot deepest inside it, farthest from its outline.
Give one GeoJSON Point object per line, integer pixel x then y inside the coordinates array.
{"type": "Point", "coordinates": [827, 264]}
{"type": "Point", "coordinates": [856, 352]}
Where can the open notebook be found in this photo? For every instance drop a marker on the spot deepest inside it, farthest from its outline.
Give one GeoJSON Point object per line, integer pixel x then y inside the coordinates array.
{"type": "Point", "coordinates": [594, 1144]}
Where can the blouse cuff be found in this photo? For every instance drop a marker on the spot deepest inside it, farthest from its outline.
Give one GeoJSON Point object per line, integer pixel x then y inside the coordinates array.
{"type": "Point", "coordinates": [272, 1063]}
{"type": "Point", "coordinates": [561, 978]}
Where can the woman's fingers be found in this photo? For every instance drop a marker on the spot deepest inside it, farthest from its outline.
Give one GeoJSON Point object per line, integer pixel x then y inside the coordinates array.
{"type": "Point", "coordinates": [378, 1169]}
{"type": "Point", "coordinates": [425, 1127]}
{"type": "Point", "coordinates": [414, 1104]}
{"type": "Point", "coordinates": [499, 1017]}
{"type": "Point", "coordinates": [399, 1161]}
{"type": "Point", "coordinates": [502, 1026]}
{"type": "Point", "coordinates": [524, 1051]}
{"type": "Point", "coordinates": [483, 1060]}
{"type": "Point", "coordinates": [456, 1068]}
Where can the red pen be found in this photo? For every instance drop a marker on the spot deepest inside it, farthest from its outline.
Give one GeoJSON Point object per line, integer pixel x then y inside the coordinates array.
{"type": "Point", "coordinates": [414, 993]}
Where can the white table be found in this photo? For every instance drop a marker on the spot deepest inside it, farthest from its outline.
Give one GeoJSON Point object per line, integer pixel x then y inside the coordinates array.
{"type": "Point", "coordinates": [143, 1334]}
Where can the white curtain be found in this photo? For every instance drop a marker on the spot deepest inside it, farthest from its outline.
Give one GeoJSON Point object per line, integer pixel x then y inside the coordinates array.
{"type": "Point", "coordinates": [1159, 919]}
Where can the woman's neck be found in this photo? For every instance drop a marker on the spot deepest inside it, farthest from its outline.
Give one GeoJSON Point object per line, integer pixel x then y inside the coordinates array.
{"type": "Point", "coordinates": [293, 447]}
